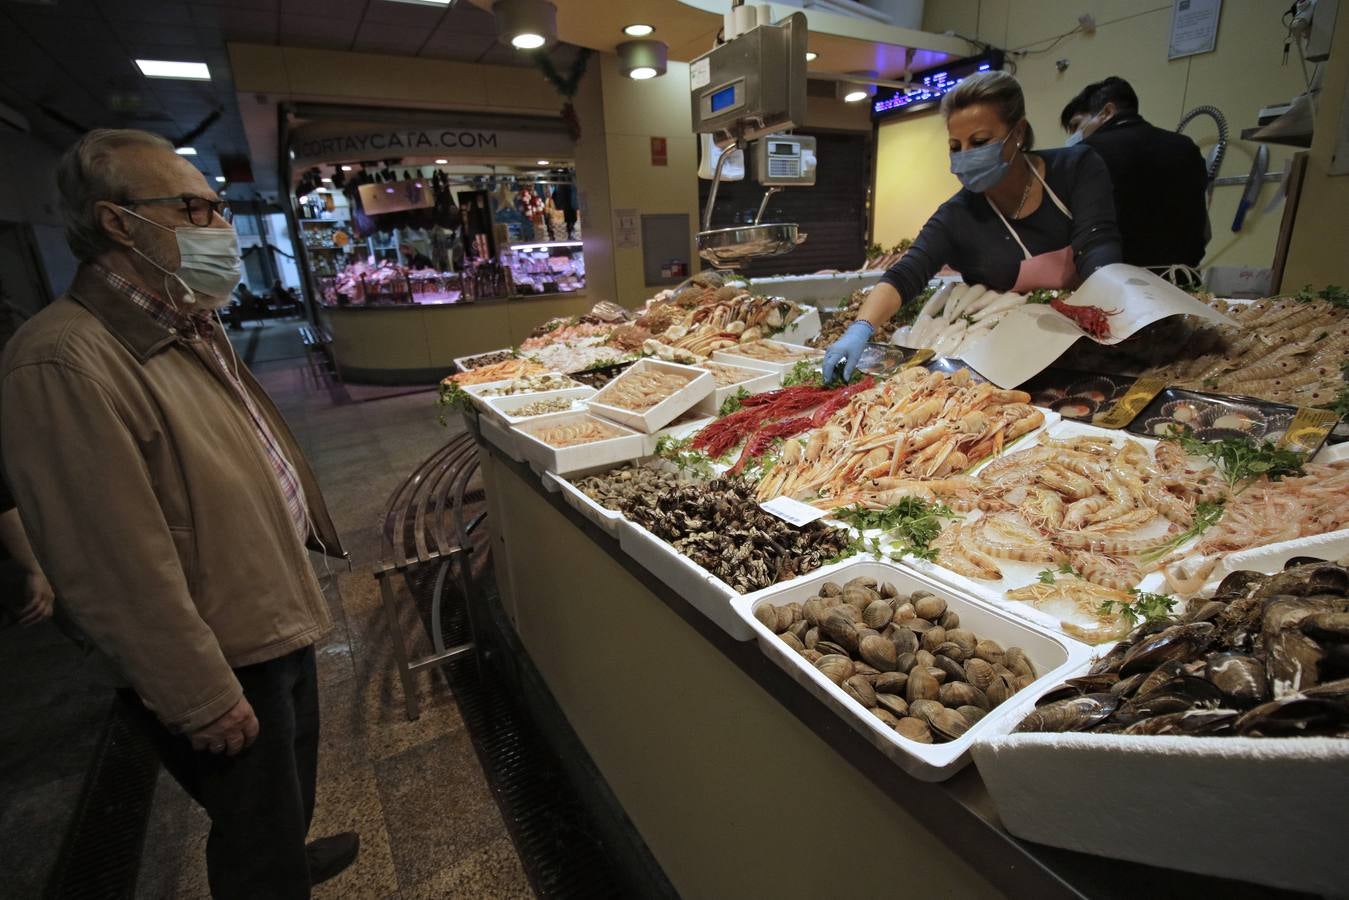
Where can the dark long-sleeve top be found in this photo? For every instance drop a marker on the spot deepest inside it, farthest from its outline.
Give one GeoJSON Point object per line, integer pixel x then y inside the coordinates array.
{"type": "Point", "coordinates": [967, 234]}
{"type": "Point", "coordinates": [1159, 178]}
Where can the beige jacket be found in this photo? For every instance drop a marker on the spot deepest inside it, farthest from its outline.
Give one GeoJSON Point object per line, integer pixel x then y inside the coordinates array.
{"type": "Point", "coordinates": [151, 504]}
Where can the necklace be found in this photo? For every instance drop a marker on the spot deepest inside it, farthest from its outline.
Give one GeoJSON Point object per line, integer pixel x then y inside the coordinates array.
{"type": "Point", "coordinates": [1025, 194]}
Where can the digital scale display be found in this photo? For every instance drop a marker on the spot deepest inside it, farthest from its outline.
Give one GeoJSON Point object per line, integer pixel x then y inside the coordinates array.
{"type": "Point", "coordinates": [723, 99]}
{"type": "Point", "coordinates": [936, 83]}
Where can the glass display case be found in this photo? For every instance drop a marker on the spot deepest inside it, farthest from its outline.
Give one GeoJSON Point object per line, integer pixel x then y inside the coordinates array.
{"type": "Point", "coordinates": [546, 267]}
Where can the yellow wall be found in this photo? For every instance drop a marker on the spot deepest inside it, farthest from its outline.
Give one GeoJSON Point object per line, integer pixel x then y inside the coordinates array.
{"type": "Point", "coordinates": [1320, 236]}
{"type": "Point", "coordinates": [1240, 76]}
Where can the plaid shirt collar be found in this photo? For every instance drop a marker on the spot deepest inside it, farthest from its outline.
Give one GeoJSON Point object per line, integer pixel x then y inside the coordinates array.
{"type": "Point", "coordinates": [188, 325]}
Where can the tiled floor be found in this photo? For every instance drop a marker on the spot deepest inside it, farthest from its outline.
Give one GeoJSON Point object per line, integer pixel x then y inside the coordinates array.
{"type": "Point", "coordinates": [413, 790]}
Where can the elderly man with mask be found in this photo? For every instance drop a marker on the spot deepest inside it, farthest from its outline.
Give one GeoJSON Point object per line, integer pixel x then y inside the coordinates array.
{"type": "Point", "coordinates": [171, 506]}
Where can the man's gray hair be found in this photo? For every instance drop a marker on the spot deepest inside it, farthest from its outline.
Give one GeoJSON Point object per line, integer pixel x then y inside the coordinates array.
{"type": "Point", "coordinates": [91, 171]}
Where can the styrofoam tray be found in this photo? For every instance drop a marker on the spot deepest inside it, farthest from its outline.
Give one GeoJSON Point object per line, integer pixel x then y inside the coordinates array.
{"type": "Point", "coordinates": [765, 380]}
{"type": "Point", "coordinates": [700, 383]}
{"type": "Point", "coordinates": [1052, 654]}
{"type": "Point", "coordinates": [464, 363]}
{"type": "Point", "coordinates": [803, 327]}
{"type": "Point", "coordinates": [1267, 810]}
{"type": "Point", "coordinates": [604, 518]}
{"type": "Point", "coordinates": [494, 431]}
{"type": "Point", "coordinates": [504, 408]}
{"type": "Point", "coordinates": [687, 425]}
{"type": "Point", "coordinates": [1269, 559]}
{"type": "Point", "coordinates": [730, 355]}
{"type": "Point", "coordinates": [581, 458]}
{"type": "Point", "coordinates": [705, 592]}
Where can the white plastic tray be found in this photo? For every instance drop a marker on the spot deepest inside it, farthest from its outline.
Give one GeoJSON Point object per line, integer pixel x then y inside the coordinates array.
{"type": "Point", "coordinates": [496, 433]}
{"type": "Point", "coordinates": [766, 380]}
{"type": "Point", "coordinates": [604, 518]}
{"type": "Point", "coordinates": [803, 327]}
{"type": "Point", "coordinates": [1267, 810]}
{"type": "Point", "coordinates": [582, 457]}
{"type": "Point", "coordinates": [687, 425]}
{"type": "Point", "coordinates": [705, 592]}
{"type": "Point", "coordinates": [700, 384]}
{"type": "Point", "coordinates": [504, 408]}
{"type": "Point", "coordinates": [1052, 654]}
{"type": "Point", "coordinates": [730, 355]}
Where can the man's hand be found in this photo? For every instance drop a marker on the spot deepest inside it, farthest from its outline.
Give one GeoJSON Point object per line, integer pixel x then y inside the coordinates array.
{"type": "Point", "coordinates": [38, 599]}
{"type": "Point", "coordinates": [230, 733]}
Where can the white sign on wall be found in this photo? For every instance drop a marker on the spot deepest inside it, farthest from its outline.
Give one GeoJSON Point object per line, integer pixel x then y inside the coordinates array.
{"type": "Point", "coordinates": [627, 229]}
{"type": "Point", "coordinates": [1194, 27]}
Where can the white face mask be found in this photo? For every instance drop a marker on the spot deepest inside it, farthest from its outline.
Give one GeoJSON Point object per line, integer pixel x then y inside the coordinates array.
{"type": "Point", "coordinates": [1074, 138]}
{"type": "Point", "coordinates": [209, 261]}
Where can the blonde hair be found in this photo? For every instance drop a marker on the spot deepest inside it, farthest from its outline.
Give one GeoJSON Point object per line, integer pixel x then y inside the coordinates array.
{"type": "Point", "coordinates": [999, 90]}
{"type": "Point", "coordinates": [90, 171]}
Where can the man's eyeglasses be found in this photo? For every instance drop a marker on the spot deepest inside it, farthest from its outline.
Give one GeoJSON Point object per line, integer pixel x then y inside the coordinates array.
{"type": "Point", "coordinates": [199, 209]}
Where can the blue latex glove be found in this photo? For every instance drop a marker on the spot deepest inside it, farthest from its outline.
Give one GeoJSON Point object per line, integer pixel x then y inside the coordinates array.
{"type": "Point", "coordinates": [848, 350]}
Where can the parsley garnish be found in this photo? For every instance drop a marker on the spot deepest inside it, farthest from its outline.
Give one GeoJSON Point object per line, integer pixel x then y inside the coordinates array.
{"type": "Point", "coordinates": [804, 372]}
{"type": "Point", "coordinates": [1145, 607]}
{"type": "Point", "coordinates": [1206, 515]}
{"type": "Point", "coordinates": [1046, 576]}
{"type": "Point", "coordinates": [686, 460]}
{"type": "Point", "coordinates": [733, 402]}
{"type": "Point", "coordinates": [913, 523]}
{"type": "Point", "coordinates": [1240, 461]}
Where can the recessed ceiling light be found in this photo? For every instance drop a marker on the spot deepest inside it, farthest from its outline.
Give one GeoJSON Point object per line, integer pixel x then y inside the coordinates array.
{"type": "Point", "coordinates": [525, 24]}
{"type": "Point", "coordinates": [854, 96]}
{"type": "Point", "coordinates": [346, 168]}
{"type": "Point", "coordinates": [543, 162]}
{"type": "Point", "coordinates": [164, 68]}
{"type": "Point", "coordinates": [528, 41]}
{"type": "Point", "coordinates": [326, 180]}
{"type": "Point", "coordinates": [186, 151]}
{"type": "Point", "coordinates": [811, 56]}
{"type": "Point", "coordinates": [442, 162]}
{"type": "Point", "coordinates": [642, 73]}
{"type": "Point", "coordinates": [639, 30]}
{"type": "Point", "coordinates": [220, 179]}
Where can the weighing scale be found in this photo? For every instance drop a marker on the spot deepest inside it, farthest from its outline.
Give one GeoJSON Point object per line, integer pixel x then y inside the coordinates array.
{"type": "Point", "coordinates": [746, 93]}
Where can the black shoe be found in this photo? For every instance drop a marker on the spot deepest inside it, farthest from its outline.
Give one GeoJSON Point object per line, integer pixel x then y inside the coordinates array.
{"type": "Point", "coordinates": [330, 855]}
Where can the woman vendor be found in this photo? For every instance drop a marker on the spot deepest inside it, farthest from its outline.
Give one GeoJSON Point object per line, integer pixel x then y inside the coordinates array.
{"type": "Point", "coordinates": [1022, 220]}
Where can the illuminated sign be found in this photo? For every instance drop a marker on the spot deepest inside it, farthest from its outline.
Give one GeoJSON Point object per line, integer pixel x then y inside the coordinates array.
{"type": "Point", "coordinates": [935, 84]}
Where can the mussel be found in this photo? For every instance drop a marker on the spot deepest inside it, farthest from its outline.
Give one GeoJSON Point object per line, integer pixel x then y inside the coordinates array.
{"type": "Point", "coordinates": [1178, 642]}
{"type": "Point", "coordinates": [1073, 714]}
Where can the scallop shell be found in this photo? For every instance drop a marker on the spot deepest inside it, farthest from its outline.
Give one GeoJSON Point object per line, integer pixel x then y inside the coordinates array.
{"type": "Point", "coordinates": [1277, 426]}
{"type": "Point", "coordinates": [1098, 389]}
{"type": "Point", "coordinates": [1161, 426]}
{"type": "Point", "coordinates": [1046, 396]}
{"type": "Point", "coordinates": [1188, 411]}
{"type": "Point", "coordinates": [1220, 434]}
{"type": "Point", "coordinates": [1075, 407]}
{"type": "Point", "coordinates": [1240, 418]}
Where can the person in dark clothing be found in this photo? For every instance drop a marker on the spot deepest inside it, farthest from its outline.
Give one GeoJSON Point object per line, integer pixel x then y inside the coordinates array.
{"type": "Point", "coordinates": [1021, 222]}
{"type": "Point", "coordinates": [1159, 177]}
{"type": "Point", "coordinates": [1074, 111]}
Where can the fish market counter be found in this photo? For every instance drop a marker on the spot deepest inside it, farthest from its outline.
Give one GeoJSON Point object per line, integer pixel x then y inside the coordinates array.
{"type": "Point", "coordinates": [739, 781]}
{"type": "Point", "coordinates": [417, 343]}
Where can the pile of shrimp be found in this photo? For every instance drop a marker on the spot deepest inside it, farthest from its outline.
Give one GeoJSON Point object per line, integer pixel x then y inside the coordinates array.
{"type": "Point", "coordinates": [909, 436]}
{"type": "Point", "coordinates": [567, 333]}
{"type": "Point", "coordinates": [1271, 511]}
{"type": "Point", "coordinates": [1082, 502]}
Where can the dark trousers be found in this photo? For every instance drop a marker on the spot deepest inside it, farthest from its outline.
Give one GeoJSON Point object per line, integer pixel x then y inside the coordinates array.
{"type": "Point", "coordinates": [260, 801]}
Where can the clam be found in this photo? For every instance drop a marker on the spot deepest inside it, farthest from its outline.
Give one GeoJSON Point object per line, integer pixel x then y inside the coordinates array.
{"type": "Point", "coordinates": [972, 714]}
{"type": "Point", "coordinates": [830, 589]}
{"type": "Point", "coordinates": [933, 638]}
{"type": "Point", "coordinates": [828, 647]}
{"type": "Point", "coordinates": [962, 693]}
{"type": "Point", "coordinates": [928, 606]}
{"type": "Point", "coordinates": [811, 639]}
{"type": "Point", "coordinates": [988, 651]}
{"type": "Point", "coordinates": [877, 614]}
{"type": "Point", "coordinates": [859, 596]}
{"type": "Point", "coordinates": [884, 715]}
{"type": "Point", "coordinates": [921, 685]}
{"type": "Point", "coordinates": [858, 688]}
{"type": "Point", "coordinates": [887, 590]}
{"type": "Point", "coordinates": [905, 641]}
{"type": "Point", "coordinates": [814, 611]}
{"type": "Point", "coordinates": [878, 651]}
{"type": "Point", "coordinates": [949, 619]}
{"type": "Point", "coordinates": [965, 638]}
{"type": "Point", "coordinates": [953, 670]}
{"type": "Point", "coordinates": [835, 667]}
{"type": "Point", "coordinates": [767, 614]}
{"type": "Point", "coordinates": [861, 668]}
{"type": "Point", "coordinates": [938, 674]}
{"type": "Point", "coordinates": [839, 629]}
{"type": "Point", "coordinates": [894, 703]}
{"type": "Point", "coordinates": [925, 709]}
{"type": "Point", "coordinates": [904, 612]}
{"type": "Point", "coordinates": [812, 655]}
{"type": "Point", "coordinates": [891, 682]}
{"type": "Point", "coordinates": [1016, 659]}
{"type": "Point", "coordinates": [951, 650]}
{"type": "Point", "coordinates": [949, 724]}
{"type": "Point", "coordinates": [999, 689]}
{"type": "Point", "coordinates": [978, 673]}
{"type": "Point", "coordinates": [792, 641]}
{"type": "Point", "coordinates": [914, 730]}
{"type": "Point", "coordinates": [905, 662]}
{"type": "Point", "coordinates": [924, 659]}
{"type": "Point", "coordinates": [800, 628]}
{"type": "Point", "coordinates": [865, 581]}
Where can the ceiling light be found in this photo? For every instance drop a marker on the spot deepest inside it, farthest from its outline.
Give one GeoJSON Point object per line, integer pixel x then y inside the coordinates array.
{"type": "Point", "coordinates": [186, 151]}
{"type": "Point", "coordinates": [163, 68]}
{"type": "Point", "coordinates": [811, 56]}
{"type": "Point", "coordinates": [220, 179]}
{"type": "Point", "coordinates": [525, 24]}
{"type": "Point", "coordinates": [857, 95]}
{"type": "Point", "coordinates": [346, 168]}
{"type": "Point", "coordinates": [442, 162]}
{"type": "Point", "coordinates": [856, 89]}
{"type": "Point", "coordinates": [326, 180]}
{"type": "Point", "coordinates": [638, 30]}
{"type": "Point", "coordinates": [640, 60]}
{"type": "Point", "coordinates": [543, 162]}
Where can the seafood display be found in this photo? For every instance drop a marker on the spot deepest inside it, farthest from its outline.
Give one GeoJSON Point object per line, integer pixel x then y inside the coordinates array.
{"type": "Point", "coordinates": [599, 377]}
{"type": "Point", "coordinates": [575, 355]}
{"type": "Point", "coordinates": [776, 352]}
{"type": "Point", "coordinates": [728, 375]}
{"type": "Point", "coordinates": [1266, 656]}
{"type": "Point", "coordinates": [505, 370]}
{"type": "Point", "coordinates": [626, 484]}
{"type": "Point", "coordinates": [563, 330]}
{"type": "Point", "coordinates": [1272, 511]}
{"type": "Point", "coordinates": [543, 407]}
{"type": "Point", "coordinates": [533, 384]}
{"type": "Point", "coordinates": [718, 525]}
{"type": "Point", "coordinates": [838, 323]}
{"type": "Point", "coordinates": [905, 658]}
{"type": "Point", "coordinates": [1076, 395]}
{"type": "Point", "coordinates": [487, 359]}
{"type": "Point", "coordinates": [957, 315]}
{"type": "Point", "coordinates": [641, 389]}
{"type": "Point", "coordinates": [1174, 412]}
{"type": "Point", "coordinates": [585, 430]}
{"type": "Point", "coordinates": [899, 439]}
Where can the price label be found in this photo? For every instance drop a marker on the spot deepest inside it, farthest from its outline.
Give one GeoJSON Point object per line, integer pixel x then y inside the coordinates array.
{"type": "Point", "coordinates": [919, 357]}
{"type": "Point", "coordinates": [793, 512]}
{"type": "Point", "coordinates": [700, 73]}
{"type": "Point", "coordinates": [1308, 430]}
{"type": "Point", "coordinates": [1127, 408]}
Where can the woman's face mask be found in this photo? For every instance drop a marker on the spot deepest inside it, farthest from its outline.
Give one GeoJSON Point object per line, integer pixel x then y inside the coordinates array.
{"type": "Point", "coordinates": [980, 168]}
{"type": "Point", "coordinates": [209, 264]}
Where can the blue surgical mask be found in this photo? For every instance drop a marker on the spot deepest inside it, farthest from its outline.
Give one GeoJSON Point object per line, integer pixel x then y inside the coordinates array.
{"type": "Point", "coordinates": [1074, 138]}
{"type": "Point", "coordinates": [980, 168]}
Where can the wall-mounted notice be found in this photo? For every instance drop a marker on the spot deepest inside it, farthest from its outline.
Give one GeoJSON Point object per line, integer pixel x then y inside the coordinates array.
{"type": "Point", "coordinates": [1194, 27]}
{"type": "Point", "coordinates": [627, 229]}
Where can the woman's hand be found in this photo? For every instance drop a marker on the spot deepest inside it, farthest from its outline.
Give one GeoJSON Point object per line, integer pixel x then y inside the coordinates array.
{"type": "Point", "coordinates": [848, 350]}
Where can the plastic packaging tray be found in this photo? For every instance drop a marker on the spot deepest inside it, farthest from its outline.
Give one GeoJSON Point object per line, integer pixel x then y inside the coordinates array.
{"type": "Point", "coordinates": [734, 358]}
{"type": "Point", "coordinates": [765, 380]}
{"type": "Point", "coordinates": [582, 457]}
{"type": "Point", "coordinates": [498, 434]}
{"type": "Point", "coordinates": [605, 519]}
{"type": "Point", "coordinates": [1067, 391]}
{"type": "Point", "coordinates": [1053, 655]}
{"type": "Point", "coordinates": [803, 327]}
{"type": "Point", "coordinates": [464, 363]}
{"type": "Point", "coordinates": [700, 384]}
{"type": "Point", "coordinates": [504, 408]}
{"type": "Point", "coordinates": [1262, 419]}
{"type": "Point", "coordinates": [705, 592]}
